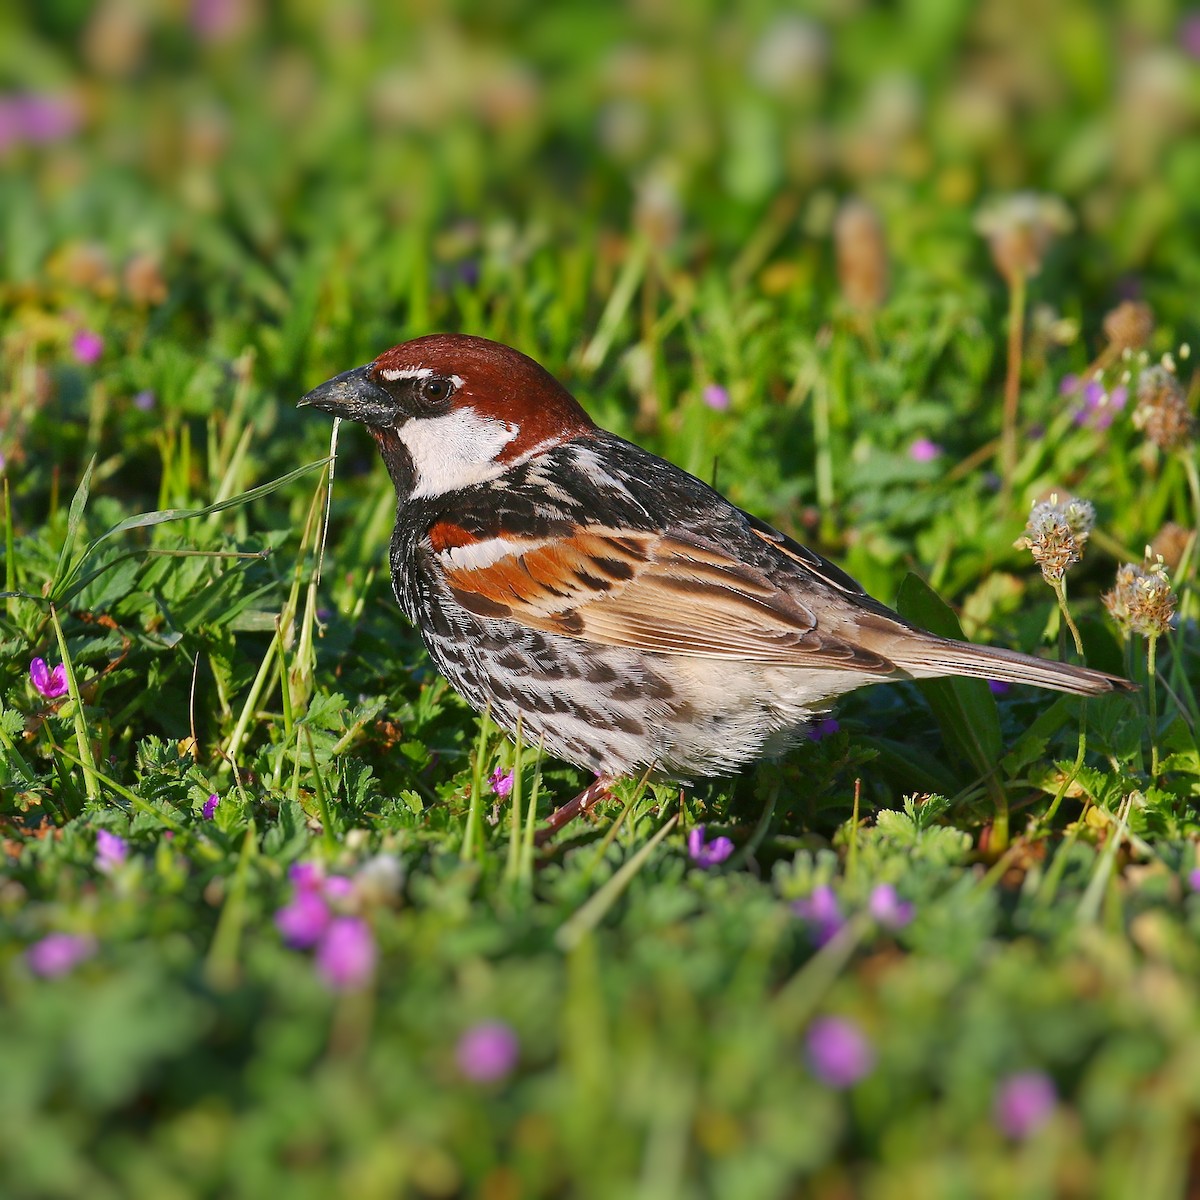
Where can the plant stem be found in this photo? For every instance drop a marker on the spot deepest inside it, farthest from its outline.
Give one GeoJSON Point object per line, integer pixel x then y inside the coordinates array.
{"type": "Point", "coordinates": [1012, 384]}
{"type": "Point", "coordinates": [87, 760]}
{"type": "Point", "coordinates": [474, 833]}
{"type": "Point", "coordinates": [1152, 702]}
{"type": "Point", "coordinates": [1060, 590]}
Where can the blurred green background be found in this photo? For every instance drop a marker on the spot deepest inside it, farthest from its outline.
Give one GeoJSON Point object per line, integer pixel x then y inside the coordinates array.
{"type": "Point", "coordinates": [208, 207]}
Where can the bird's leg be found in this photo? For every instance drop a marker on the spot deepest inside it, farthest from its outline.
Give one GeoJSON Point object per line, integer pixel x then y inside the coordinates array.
{"type": "Point", "coordinates": [599, 789]}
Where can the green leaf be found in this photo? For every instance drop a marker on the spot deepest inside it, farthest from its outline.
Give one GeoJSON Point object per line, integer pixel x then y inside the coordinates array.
{"type": "Point", "coordinates": [59, 591]}
{"type": "Point", "coordinates": [74, 517]}
{"type": "Point", "coordinates": [965, 708]}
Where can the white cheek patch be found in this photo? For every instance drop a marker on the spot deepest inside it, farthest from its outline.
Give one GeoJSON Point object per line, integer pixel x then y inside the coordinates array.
{"type": "Point", "coordinates": [485, 553]}
{"type": "Point", "coordinates": [454, 450]}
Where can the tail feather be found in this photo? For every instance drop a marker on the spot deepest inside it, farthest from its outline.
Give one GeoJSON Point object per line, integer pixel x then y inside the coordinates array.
{"type": "Point", "coordinates": [941, 656]}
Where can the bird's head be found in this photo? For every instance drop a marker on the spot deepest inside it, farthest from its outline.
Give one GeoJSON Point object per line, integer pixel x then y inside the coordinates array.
{"type": "Point", "coordinates": [450, 410]}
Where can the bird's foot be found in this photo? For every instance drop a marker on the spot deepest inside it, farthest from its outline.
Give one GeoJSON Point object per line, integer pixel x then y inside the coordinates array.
{"type": "Point", "coordinates": [600, 789]}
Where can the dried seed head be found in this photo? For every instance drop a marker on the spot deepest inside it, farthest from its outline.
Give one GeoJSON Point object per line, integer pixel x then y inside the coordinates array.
{"type": "Point", "coordinates": [1142, 600]}
{"type": "Point", "coordinates": [1162, 409]}
{"type": "Point", "coordinates": [1056, 534]}
{"type": "Point", "coordinates": [1020, 228]}
{"type": "Point", "coordinates": [862, 257]}
{"type": "Point", "coordinates": [1129, 325]}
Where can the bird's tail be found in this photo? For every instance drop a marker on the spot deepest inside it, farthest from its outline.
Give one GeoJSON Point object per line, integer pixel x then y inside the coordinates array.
{"type": "Point", "coordinates": [941, 656]}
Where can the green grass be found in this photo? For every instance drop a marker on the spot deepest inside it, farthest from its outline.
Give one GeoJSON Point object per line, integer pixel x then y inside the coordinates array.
{"type": "Point", "coordinates": [315, 187]}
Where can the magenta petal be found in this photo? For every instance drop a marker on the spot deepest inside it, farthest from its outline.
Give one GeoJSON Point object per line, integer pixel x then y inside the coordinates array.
{"type": "Point", "coordinates": [58, 953]}
{"type": "Point", "coordinates": [49, 683]}
{"type": "Point", "coordinates": [838, 1052]}
{"type": "Point", "coordinates": [307, 876]}
{"type": "Point", "coordinates": [304, 921]}
{"type": "Point", "coordinates": [1024, 1103]}
{"type": "Point", "coordinates": [487, 1051]}
{"type": "Point", "coordinates": [111, 851]}
{"type": "Point", "coordinates": [346, 954]}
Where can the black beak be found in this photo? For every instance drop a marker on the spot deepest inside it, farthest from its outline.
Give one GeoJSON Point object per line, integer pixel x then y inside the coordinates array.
{"type": "Point", "coordinates": [354, 396]}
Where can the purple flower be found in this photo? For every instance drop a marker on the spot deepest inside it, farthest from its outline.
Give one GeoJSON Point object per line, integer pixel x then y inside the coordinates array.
{"type": "Point", "coordinates": [217, 20]}
{"type": "Point", "coordinates": [1069, 385]}
{"type": "Point", "coordinates": [923, 450]}
{"type": "Point", "coordinates": [210, 807]}
{"type": "Point", "coordinates": [111, 851]}
{"type": "Point", "coordinates": [304, 921]}
{"type": "Point", "coordinates": [822, 728]}
{"type": "Point", "coordinates": [145, 400]}
{"type": "Point", "coordinates": [1194, 879]}
{"type": "Point", "coordinates": [502, 784]}
{"type": "Point", "coordinates": [887, 908]}
{"type": "Point", "coordinates": [822, 913]}
{"type": "Point", "coordinates": [716, 397]}
{"type": "Point", "coordinates": [50, 684]}
{"type": "Point", "coordinates": [487, 1052]}
{"type": "Point", "coordinates": [1189, 34]}
{"type": "Point", "coordinates": [1024, 1102]}
{"type": "Point", "coordinates": [1097, 407]}
{"type": "Point", "coordinates": [58, 953]}
{"type": "Point", "coordinates": [707, 854]}
{"type": "Point", "coordinates": [999, 687]}
{"type": "Point", "coordinates": [43, 117]}
{"type": "Point", "coordinates": [338, 888]}
{"type": "Point", "coordinates": [346, 955]}
{"type": "Point", "coordinates": [87, 346]}
{"type": "Point", "coordinates": [307, 876]}
{"type": "Point", "coordinates": [838, 1052]}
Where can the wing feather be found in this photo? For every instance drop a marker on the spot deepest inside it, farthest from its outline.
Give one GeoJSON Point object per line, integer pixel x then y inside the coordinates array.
{"type": "Point", "coordinates": [657, 592]}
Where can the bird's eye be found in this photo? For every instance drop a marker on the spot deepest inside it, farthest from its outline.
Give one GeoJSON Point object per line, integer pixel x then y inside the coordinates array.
{"type": "Point", "coordinates": [435, 389]}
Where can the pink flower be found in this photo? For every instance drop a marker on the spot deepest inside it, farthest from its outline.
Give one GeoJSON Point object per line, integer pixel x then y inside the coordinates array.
{"type": "Point", "coordinates": [210, 807]}
{"type": "Point", "coordinates": [1194, 879]}
{"type": "Point", "coordinates": [822, 913]}
{"type": "Point", "coordinates": [716, 397]}
{"type": "Point", "coordinates": [58, 953]}
{"type": "Point", "coordinates": [838, 1052]}
{"type": "Point", "coordinates": [307, 876]}
{"type": "Point", "coordinates": [1189, 34]}
{"type": "Point", "coordinates": [887, 908]}
{"type": "Point", "coordinates": [87, 346]}
{"type": "Point", "coordinates": [1024, 1102]}
{"type": "Point", "coordinates": [218, 20]}
{"type": "Point", "coordinates": [346, 954]}
{"type": "Point", "coordinates": [501, 784]}
{"type": "Point", "coordinates": [338, 888]}
{"type": "Point", "coordinates": [1097, 407]}
{"type": "Point", "coordinates": [923, 450]}
{"type": "Point", "coordinates": [304, 921]}
{"type": "Point", "coordinates": [50, 684]}
{"type": "Point", "coordinates": [487, 1052]}
{"type": "Point", "coordinates": [44, 117]}
{"type": "Point", "coordinates": [707, 854]}
{"type": "Point", "coordinates": [111, 851]}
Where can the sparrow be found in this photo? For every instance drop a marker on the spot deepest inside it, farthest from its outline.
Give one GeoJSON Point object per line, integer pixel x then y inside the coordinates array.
{"type": "Point", "coordinates": [621, 612]}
